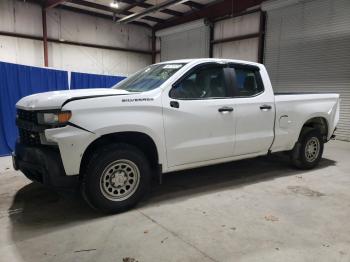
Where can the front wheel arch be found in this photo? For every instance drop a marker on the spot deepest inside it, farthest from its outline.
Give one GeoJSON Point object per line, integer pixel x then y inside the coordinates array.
{"type": "Point", "coordinates": [140, 140]}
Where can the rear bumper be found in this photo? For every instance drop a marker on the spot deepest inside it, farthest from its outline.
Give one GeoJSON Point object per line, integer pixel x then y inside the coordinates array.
{"type": "Point", "coordinates": [42, 164]}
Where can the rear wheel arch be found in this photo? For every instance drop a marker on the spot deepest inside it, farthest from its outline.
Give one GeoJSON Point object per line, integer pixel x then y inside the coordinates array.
{"type": "Point", "coordinates": [315, 123]}
{"type": "Point", "coordinates": [316, 127]}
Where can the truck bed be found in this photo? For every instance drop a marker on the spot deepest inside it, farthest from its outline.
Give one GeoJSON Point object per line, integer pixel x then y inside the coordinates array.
{"type": "Point", "coordinates": [294, 109]}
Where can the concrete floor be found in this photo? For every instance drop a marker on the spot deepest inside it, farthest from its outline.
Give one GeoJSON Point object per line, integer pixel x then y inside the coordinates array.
{"type": "Point", "coordinates": [252, 210]}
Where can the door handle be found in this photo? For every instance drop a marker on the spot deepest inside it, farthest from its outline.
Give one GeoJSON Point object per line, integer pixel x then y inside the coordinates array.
{"type": "Point", "coordinates": [225, 109]}
{"type": "Point", "coordinates": [174, 104]}
{"type": "Point", "coordinates": [265, 107]}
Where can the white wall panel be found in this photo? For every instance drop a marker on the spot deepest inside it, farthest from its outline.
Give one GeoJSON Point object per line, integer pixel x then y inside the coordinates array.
{"type": "Point", "coordinates": [19, 17]}
{"type": "Point", "coordinates": [157, 57]}
{"type": "Point", "coordinates": [25, 18]}
{"type": "Point", "coordinates": [21, 51]}
{"type": "Point", "coordinates": [88, 29]}
{"type": "Point", "coordinates": [157, 43]}
{"type": "Point", "coordinates": [237, 26]}
{"type": "Point", "coordinates": [94, 60]}
{"type": "Point", "coordinates": [243, 49]}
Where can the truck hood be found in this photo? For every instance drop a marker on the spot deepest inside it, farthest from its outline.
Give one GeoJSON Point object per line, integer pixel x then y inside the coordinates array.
{"type": "Point", "coordinates": [55, 99]}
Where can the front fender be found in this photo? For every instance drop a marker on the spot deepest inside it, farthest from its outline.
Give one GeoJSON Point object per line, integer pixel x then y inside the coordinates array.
{"type": "Point", "coordinates": [155, 135]}
{"type": "Point", "coordinates": [72, 143]}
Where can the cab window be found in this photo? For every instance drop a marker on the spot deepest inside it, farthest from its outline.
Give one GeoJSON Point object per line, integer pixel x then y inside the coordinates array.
{"type": "Point", "coordinates": [248, 82]}
{"type": "Point", "coordinates": [205, 82]}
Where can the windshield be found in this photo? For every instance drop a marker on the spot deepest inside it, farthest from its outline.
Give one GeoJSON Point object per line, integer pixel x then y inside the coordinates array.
{"type": "Point", "coordinates": [149, 78]}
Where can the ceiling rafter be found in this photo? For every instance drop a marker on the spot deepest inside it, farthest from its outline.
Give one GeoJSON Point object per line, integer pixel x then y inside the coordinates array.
{"type": "Point", "coordinates": [86, 12]}
{"type": "Point", "coordinates": [219, 8]}
{"type": "Point", "coordinates": [153, 9]}
{"type": "Point", "coordinates": [112, 10]}
{"type": "Point", "coordinates": [194, 5]}
{"type": "Point", "coordinates": [142, 4]}
{"type": "Point", "coordinates": [105, 16]}
{"type": "Point", "coordinates": [53, 3]}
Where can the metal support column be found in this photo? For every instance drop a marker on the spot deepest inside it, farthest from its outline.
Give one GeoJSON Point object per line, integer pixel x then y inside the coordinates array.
{"type": "Point", "coordinates": [46, 58]}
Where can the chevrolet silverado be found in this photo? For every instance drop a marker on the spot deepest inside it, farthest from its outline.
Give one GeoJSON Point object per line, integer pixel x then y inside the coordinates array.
{"type": "Point", "coordinates": [169, 116]}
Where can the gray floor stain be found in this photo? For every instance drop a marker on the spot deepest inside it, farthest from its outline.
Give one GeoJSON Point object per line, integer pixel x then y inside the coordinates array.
{"type": "Point", "coordinates": [305, 191]}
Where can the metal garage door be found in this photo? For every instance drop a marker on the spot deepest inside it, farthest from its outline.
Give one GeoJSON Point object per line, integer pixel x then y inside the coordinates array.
{"type": "Point", "coordinates": [307, 48]}
{"type": "Point", "coordinates": [189, 40]}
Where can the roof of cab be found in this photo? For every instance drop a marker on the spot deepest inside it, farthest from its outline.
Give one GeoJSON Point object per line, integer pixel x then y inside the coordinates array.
{"type": "Point", "coordinates": [203, 60]}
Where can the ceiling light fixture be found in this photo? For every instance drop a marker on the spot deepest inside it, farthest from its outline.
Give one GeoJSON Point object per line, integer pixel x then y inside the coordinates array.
{"type": "Point", "coordinates": [114, 4]}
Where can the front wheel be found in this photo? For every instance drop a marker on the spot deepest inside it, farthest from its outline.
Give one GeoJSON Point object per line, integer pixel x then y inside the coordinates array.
{"type": "Point", "coordinates": [308, 151]}
{"type": "Point", "coordinates": [117, 178]}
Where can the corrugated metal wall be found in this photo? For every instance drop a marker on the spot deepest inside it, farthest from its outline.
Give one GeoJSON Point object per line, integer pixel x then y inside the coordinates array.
{"type": "Point", "coordinates": [307, 48]}
{"type": "Point", "coordinates": [190, 40]}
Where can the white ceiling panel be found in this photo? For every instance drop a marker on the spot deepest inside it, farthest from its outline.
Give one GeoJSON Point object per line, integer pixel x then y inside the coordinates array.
{"type": "Point", "coordinates": [105, 12]}
{"type": "Point", "coordinates": [107, 3]}
{"type": "Point", "coordinates": [160, 15]}
{"type": "Point", "coordinates": [182, 8]}
{"type": "Point", "coordinates": [204, 2]}
{"type": "Point", "coordinates": [136, 9]}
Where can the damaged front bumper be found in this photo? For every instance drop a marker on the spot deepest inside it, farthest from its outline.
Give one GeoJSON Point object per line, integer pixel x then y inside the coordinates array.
{"type": "Point", "coordinates": [42, 164]}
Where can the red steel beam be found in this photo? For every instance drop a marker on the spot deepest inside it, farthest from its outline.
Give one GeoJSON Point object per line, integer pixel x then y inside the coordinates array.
{"type": "Point", "coordinates": [46, 57]}
{"type": "Point", "coordinates": [53, 40]}
{"type": "Point", "coordinates": [153, 46]}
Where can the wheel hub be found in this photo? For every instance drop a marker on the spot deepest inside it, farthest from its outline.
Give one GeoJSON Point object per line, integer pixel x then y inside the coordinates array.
{"type": "Point", "coordinates": [119, 180]}
{"type": "Point", "coordinates": [312, 149]}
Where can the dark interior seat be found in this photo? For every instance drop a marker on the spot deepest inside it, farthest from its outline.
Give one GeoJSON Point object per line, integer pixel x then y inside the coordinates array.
{"type": "Point", "coordinates": [250, 85]}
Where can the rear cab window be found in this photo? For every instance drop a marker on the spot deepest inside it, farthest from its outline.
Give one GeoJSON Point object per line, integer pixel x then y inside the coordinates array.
{"type": "Point", "coordinates": [247, 81]}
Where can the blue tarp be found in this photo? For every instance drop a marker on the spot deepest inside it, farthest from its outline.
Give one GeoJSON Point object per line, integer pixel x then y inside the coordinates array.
{"type": "Point", "coordinates": [17, 81]}
{"type": "Point", "coordinates": [82, 80]}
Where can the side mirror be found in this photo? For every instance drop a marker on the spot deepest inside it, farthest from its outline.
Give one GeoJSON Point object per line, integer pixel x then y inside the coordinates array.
{"type": "Point", "coordinates": [174, 89]}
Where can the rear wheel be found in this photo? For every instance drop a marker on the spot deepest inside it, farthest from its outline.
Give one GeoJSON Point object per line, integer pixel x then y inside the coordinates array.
{"type": "Point", "coordinates": [117, 178]}
{"type": "Point", "coordinates": [308, 151]}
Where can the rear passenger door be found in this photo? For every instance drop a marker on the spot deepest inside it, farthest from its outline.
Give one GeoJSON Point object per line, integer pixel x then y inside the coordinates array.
{"type": "Point", "coordinates": [254, 111]}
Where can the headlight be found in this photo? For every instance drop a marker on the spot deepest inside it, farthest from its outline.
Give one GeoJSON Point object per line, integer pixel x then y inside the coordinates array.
{"type": "Point", "coordinates": [54, 118]}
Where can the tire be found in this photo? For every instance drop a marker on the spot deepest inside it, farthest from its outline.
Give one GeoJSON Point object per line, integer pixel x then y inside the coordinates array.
{"type": "Point", "coordinates": [117, 178]}
{"type": "Point", "coordinates": [308, 151]}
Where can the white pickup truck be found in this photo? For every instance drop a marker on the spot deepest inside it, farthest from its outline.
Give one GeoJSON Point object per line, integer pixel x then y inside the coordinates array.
{"type": "Point", "coordinates": [168, 116]}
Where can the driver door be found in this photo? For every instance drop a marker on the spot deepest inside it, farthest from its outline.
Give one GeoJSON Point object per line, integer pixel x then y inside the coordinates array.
{"type": "Point", "coordinates": [199, 118]}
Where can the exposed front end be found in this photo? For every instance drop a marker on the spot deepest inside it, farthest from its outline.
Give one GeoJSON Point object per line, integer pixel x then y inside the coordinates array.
{"type": "Point", "coordinates": [39, 159]}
